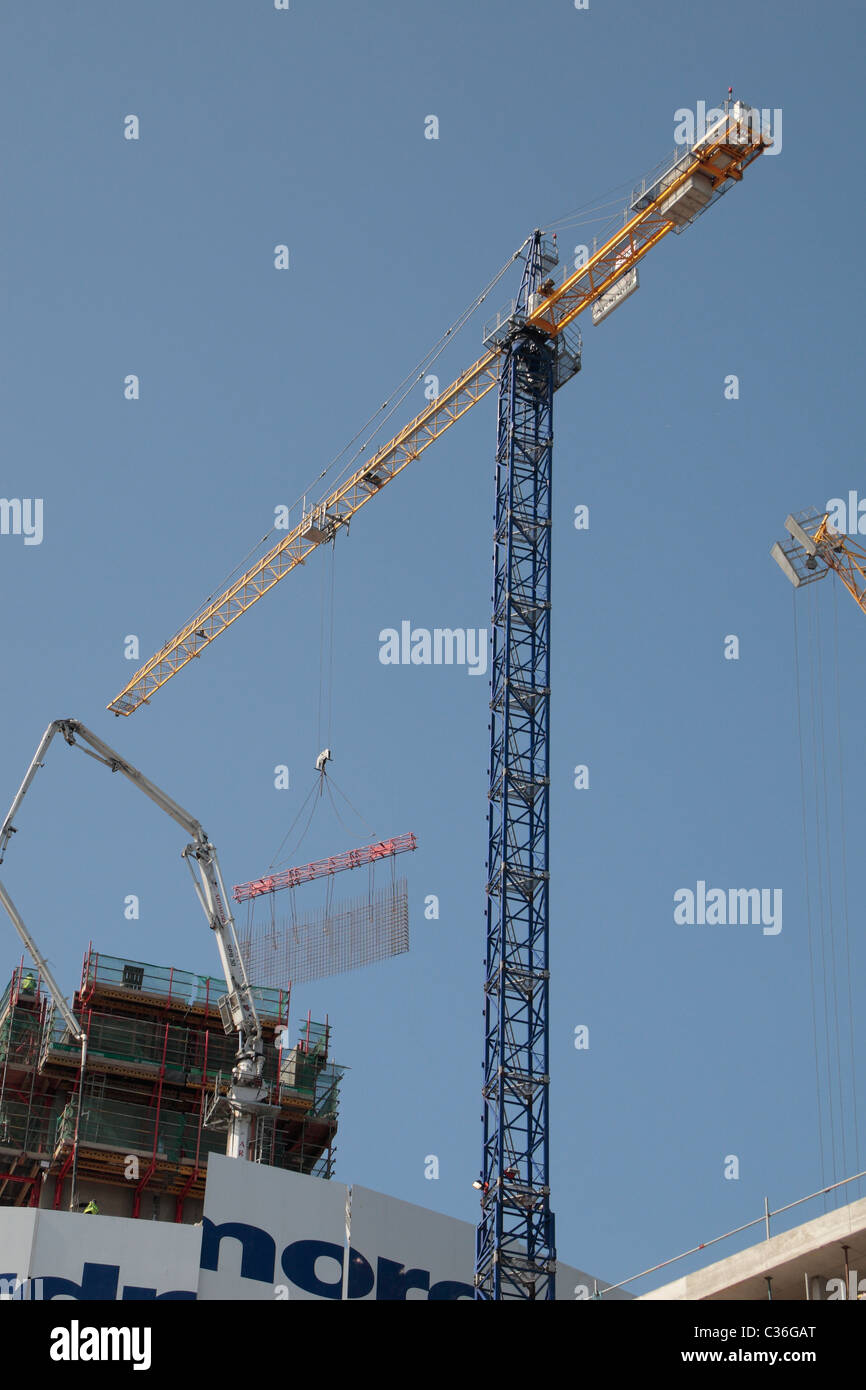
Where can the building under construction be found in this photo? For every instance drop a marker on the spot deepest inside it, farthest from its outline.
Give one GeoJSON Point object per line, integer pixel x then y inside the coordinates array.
{"type": "Point", "coordinates": [127, 1130]}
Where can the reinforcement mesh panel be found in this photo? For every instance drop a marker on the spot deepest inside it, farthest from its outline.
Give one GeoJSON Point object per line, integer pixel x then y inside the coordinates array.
{"type": "Point", "coordinates": [313, 945]}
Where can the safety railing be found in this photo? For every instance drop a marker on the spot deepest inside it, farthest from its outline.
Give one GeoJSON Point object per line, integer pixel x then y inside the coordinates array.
{"type": "Point", "coordinates": [118, 1126]}
{"type": "Point", "coordinates": [173, 986]}
{"type": "Point", "coordinates": [763, 1220]}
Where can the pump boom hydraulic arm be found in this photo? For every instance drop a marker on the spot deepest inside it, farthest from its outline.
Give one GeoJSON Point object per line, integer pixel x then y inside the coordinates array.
{"type": "Point", "coordinates": [237, 1008]}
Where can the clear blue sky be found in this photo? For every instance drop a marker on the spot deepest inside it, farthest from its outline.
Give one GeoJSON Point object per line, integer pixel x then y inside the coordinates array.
{"type": "Point", "coordinates": [155, 257]}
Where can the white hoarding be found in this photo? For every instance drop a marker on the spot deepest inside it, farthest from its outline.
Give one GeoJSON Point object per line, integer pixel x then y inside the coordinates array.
{"type": "Point", "coordinates": [265, 1234]}
{"type": "Point", "coordinates": [403, 1252]}
{"type": "Point", "coordinates": [17, 1226]}
{"type": "Point", "coordinates": [270, 1234]}
{"type": "Point", "coordinates": [97, 1258]}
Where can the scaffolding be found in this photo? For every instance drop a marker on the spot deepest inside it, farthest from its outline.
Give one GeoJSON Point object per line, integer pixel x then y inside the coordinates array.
{"type": "Point", "coordinates": [25, 1112]}
{"type": "Point", "coordinates": [157, 1056]}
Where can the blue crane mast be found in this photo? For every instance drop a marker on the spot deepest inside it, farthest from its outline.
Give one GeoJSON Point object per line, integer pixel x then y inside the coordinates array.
{"type": "Point", "coordinates": [516, 1255]}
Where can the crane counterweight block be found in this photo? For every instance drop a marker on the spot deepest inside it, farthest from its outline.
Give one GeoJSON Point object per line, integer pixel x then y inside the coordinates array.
{"type": "Point", "coordinates": [815, 549]}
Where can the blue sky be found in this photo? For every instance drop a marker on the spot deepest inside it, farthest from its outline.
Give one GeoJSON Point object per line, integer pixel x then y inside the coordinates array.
{"type": "Point", "coordinates": [155, 257]}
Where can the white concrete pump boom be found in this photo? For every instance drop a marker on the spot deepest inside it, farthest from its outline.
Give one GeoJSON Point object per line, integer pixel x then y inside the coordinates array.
{"type": "Point", "coordinates": [247, 1095]}
{"type": "Point", "coordinates": [39, 961]}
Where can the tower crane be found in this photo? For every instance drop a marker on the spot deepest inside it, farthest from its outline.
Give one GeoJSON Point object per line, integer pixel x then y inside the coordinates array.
{"type": "Point", "coordinates": [247, 1096]}
{"type": "Point", "coordinates": [815, 548]}
{"type": "Point", "coordinates": [531, 350]}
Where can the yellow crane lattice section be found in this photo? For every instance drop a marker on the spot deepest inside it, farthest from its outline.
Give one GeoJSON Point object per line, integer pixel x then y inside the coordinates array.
{"type": "Point", "coordinates": [694, 180]}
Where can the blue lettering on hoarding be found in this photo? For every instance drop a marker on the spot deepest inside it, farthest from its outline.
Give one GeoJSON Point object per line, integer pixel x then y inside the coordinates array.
{"type": "Point", "coordinates": [451, 1288]}
{"type": "Point", "coordinates": [133, 1292]}
{"type": "Point", "coordinates": [394, 1280]}
{"type": "Point", "coordinates": [299, 1260]}
{"type": "Point", "coordinates": [258, 1250]}
{"type": "Point", "coordinates": [299, 1263]}
{"type": "Point", "coordinates": [98, 1285]}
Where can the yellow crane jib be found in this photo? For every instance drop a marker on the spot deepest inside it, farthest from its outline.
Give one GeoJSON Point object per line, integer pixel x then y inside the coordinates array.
{"type": "Point", "coordinates": [318, 525]}
{"type": "Point", "coordinates": [668, 200]}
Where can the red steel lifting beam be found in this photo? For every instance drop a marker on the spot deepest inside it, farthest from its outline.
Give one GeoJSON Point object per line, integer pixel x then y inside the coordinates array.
{"type": "Point", "coordinates": [349, 859]}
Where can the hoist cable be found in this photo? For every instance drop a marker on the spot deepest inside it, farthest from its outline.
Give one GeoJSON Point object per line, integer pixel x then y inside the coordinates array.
{"type": "Point", "coordinates": [844, 886]}
{"type": "Point", "coordinates": [831, 915]}
{"type": "Point", "coordinates": [809, 922]}
{"type": "Point", "coordinates": [814, 701]}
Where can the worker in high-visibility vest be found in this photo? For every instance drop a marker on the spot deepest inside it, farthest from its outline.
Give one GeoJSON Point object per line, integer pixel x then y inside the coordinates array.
{"type": "Point", "coordinates": [28, 984]}
{"type": "Point", "coordinates": [91, 1209]}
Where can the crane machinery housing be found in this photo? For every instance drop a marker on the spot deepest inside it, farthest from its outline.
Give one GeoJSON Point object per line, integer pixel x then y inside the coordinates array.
{"type": "Point", "coordinates": [816, 549]}
{"type": "Point", "coordinates": [531, 349]}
